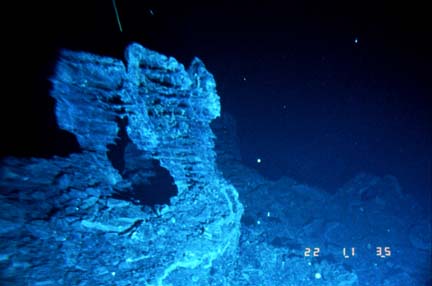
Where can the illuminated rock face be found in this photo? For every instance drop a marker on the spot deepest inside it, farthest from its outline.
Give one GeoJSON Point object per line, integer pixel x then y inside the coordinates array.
{"type": "Point", "coordinates": [68, 219]}
{"type": "Point", "coordinates": [168, 108]}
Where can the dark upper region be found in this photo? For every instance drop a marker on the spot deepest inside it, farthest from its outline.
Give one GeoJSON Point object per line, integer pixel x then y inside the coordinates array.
{"type": "Point", "coordinates": [28, 121]}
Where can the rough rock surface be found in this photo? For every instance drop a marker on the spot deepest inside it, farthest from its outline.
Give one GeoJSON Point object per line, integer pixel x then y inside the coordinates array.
{"type": "Point", "coordinates": [284, 218]}
{"type": "Point", "coordinates": [63, 226]}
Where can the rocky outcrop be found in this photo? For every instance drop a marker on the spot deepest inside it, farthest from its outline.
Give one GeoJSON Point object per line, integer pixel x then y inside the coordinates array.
{"type": "Point", "coordinates": [63, 224]}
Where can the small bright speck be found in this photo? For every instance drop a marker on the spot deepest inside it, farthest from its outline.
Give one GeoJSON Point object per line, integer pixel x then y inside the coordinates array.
{"type": "Point", "coordinates": [258, 160]}
{"type": "Point", "coordinates": [268, 214]}
{"type": "Point", "coordinates": [258, 222]}
{"type": "Point", "coordinates": [356, 40]}
{"type": "Point", "coordinates": [113, 273]}
{"type": "Point", "coordinates": [244, 78]}
{"type": "Point", "coordinates": [318, 275]}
